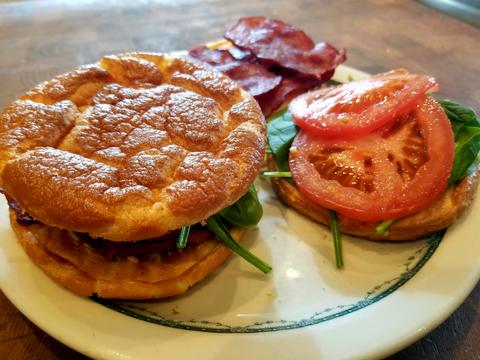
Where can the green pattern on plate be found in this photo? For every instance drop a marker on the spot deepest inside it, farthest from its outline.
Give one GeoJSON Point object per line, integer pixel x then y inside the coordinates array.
{"type": "Point", "coordinates": [413, 264]}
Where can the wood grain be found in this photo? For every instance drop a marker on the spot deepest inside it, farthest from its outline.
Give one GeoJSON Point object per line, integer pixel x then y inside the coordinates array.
{"type": "Point", "coordinates": [41, 39]}
{"type": "Point", "coordinates": [20, 339]}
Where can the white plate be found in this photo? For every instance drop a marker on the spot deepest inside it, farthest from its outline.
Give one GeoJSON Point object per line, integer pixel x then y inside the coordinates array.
{"type": "Point", "coordinates": [386, 297]}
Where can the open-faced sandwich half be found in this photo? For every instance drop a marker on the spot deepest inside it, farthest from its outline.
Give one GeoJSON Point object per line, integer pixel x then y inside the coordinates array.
{"type": "Point", "coordinates": [377, 158]}
{"type": "Point", "coordinates": [126, 177]}
{"type": "Point", "coordinates": [381, 154]}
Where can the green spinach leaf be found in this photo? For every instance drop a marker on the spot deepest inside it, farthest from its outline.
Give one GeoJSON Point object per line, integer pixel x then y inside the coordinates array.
{"type": "Point", "coordinates": [466, 129]}
{"type": "Point", "coordinates": [467, 146]}
{"type": "Point", "coordinates": [247, 211]}
{"type": "Point", "coordinates": [458, 113]}
{"type": "Point", "coordinates": [337, 237]}
{"type": "Point", "coordinates": [280, 133]}
{"type": "Point", "coordinates": [215, 225]}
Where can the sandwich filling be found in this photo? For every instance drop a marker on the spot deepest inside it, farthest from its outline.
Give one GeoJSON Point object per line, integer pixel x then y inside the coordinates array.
{"type": "Point", "coordinates": [104, 166]}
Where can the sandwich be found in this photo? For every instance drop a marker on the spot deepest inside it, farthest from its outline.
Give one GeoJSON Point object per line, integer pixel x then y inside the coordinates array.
{"type": "Point", "coordinates": [131, 178]}
{"type": "Point", "coordinates": [378, 158]}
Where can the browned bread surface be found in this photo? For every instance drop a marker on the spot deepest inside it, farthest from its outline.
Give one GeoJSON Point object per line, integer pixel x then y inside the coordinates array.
{"type": "Point", "coordinates": [131, 147]}
{"type": "Point", "coordinates": [64, 259]}
{"type": "Point", "coordinates": [438, 215]}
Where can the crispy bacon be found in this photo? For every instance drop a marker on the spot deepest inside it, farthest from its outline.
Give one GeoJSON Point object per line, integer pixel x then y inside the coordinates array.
{"type": "Point", "coordinates": [252, 77]}
{"type": "Point", "coordinates": [113, 250]}
{"type": "Point", "coordinates": [286, 91]}
{"type": "Point", "coordinates": [243, 55]}
{"type": "Point", "coordinates": [274, 42]}
{"type": "Point", "coordinates": [269, 90]}
{"type": "Point", "coordinates": [23, 217]}
{"type": "Point", "coordinates": [272, 60]}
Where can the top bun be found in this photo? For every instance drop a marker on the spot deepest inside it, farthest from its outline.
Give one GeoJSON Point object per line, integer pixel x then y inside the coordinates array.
{"type": "Point", "coordinates": [131, 147]}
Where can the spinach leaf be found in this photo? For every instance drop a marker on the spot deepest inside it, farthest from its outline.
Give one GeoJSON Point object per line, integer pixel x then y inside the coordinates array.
{"type": "Point", "coordinates": [459, 114]}
{"type": "Point", "coordinates": [215, 225]}
{"type": "Point", "coordinates": [247, 211]}
{"type": "Point", "coordinates": [280, 133]}
{"type": "Point", "coordinates": [337, 237]}
{"type": "Point", "coordinates": [456, 127]}
{"type": "Point", "coordinates": [383, 227]}
{"type": "Point", "coordinates": [183, 237]}
{"type": "Point", "coordinates": [467, 146]}
{"type": "Point", "coordinates": [466, 129]}
{"type": "Point", "coordinates": [474, 165]}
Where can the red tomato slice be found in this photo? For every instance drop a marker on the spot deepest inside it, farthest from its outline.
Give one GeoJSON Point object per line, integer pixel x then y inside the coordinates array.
{"type": "Point", "coordinates": [392, 172]}
{"type": "Point", "coordinates": [355, 109]}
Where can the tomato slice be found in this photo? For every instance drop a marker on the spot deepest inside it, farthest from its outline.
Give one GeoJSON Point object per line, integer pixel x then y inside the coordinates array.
{"type": "Point", "coordinates": [392, 172]}
{"type": "Point", "coordinates": [352, 110]}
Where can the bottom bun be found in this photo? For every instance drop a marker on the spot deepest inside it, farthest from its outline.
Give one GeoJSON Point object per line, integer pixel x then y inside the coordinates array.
{"type": "Point", "coordinates": [80, 268]}
{"type": "Point", "coordinates": [437, 216]}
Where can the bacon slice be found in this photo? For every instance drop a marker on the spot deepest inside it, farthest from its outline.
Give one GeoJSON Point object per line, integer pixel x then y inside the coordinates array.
{"type": "Point", "coordinates": [269, 89]}
{"type": "Point", "coordinates": [252, 77]}
{"type": "Point", "coordinates": [112, 250]}
{"type": "Point", "coordinates": [289, 88]}
{"type": "Point", "coordinates": [275, 42]}
{"type": "Point", "coordinates": [243, 55]}
{"type": "Point", "coordinates": [272, 60]}
{"type": "Point", "coordinates": [22, 216]}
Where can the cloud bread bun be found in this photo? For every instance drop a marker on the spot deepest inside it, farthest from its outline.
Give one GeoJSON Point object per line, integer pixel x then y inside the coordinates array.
{"type": "Point", "coordinates": [131, 147]}
{"type": "Point", "coordinates": [79, 268]}
{"type": "Point", "coordinates": [437, 216]}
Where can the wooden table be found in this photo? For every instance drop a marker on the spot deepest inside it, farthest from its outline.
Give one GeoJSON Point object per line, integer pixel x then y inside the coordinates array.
{"type": "Point", "coordinates": [41, 39]}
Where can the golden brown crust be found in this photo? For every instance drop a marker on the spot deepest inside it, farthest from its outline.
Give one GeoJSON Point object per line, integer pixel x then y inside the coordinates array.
{"type": "Point", "coordinates": [80, 269]}
{"type": "Point", "coordinates": [131, 147]}
{"type": "Point", "coordinates": [21, 129]}
{"type": "Point", "coordinates": [77, 86]}
{"type": "Point", "coordinates": [438, 215]}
